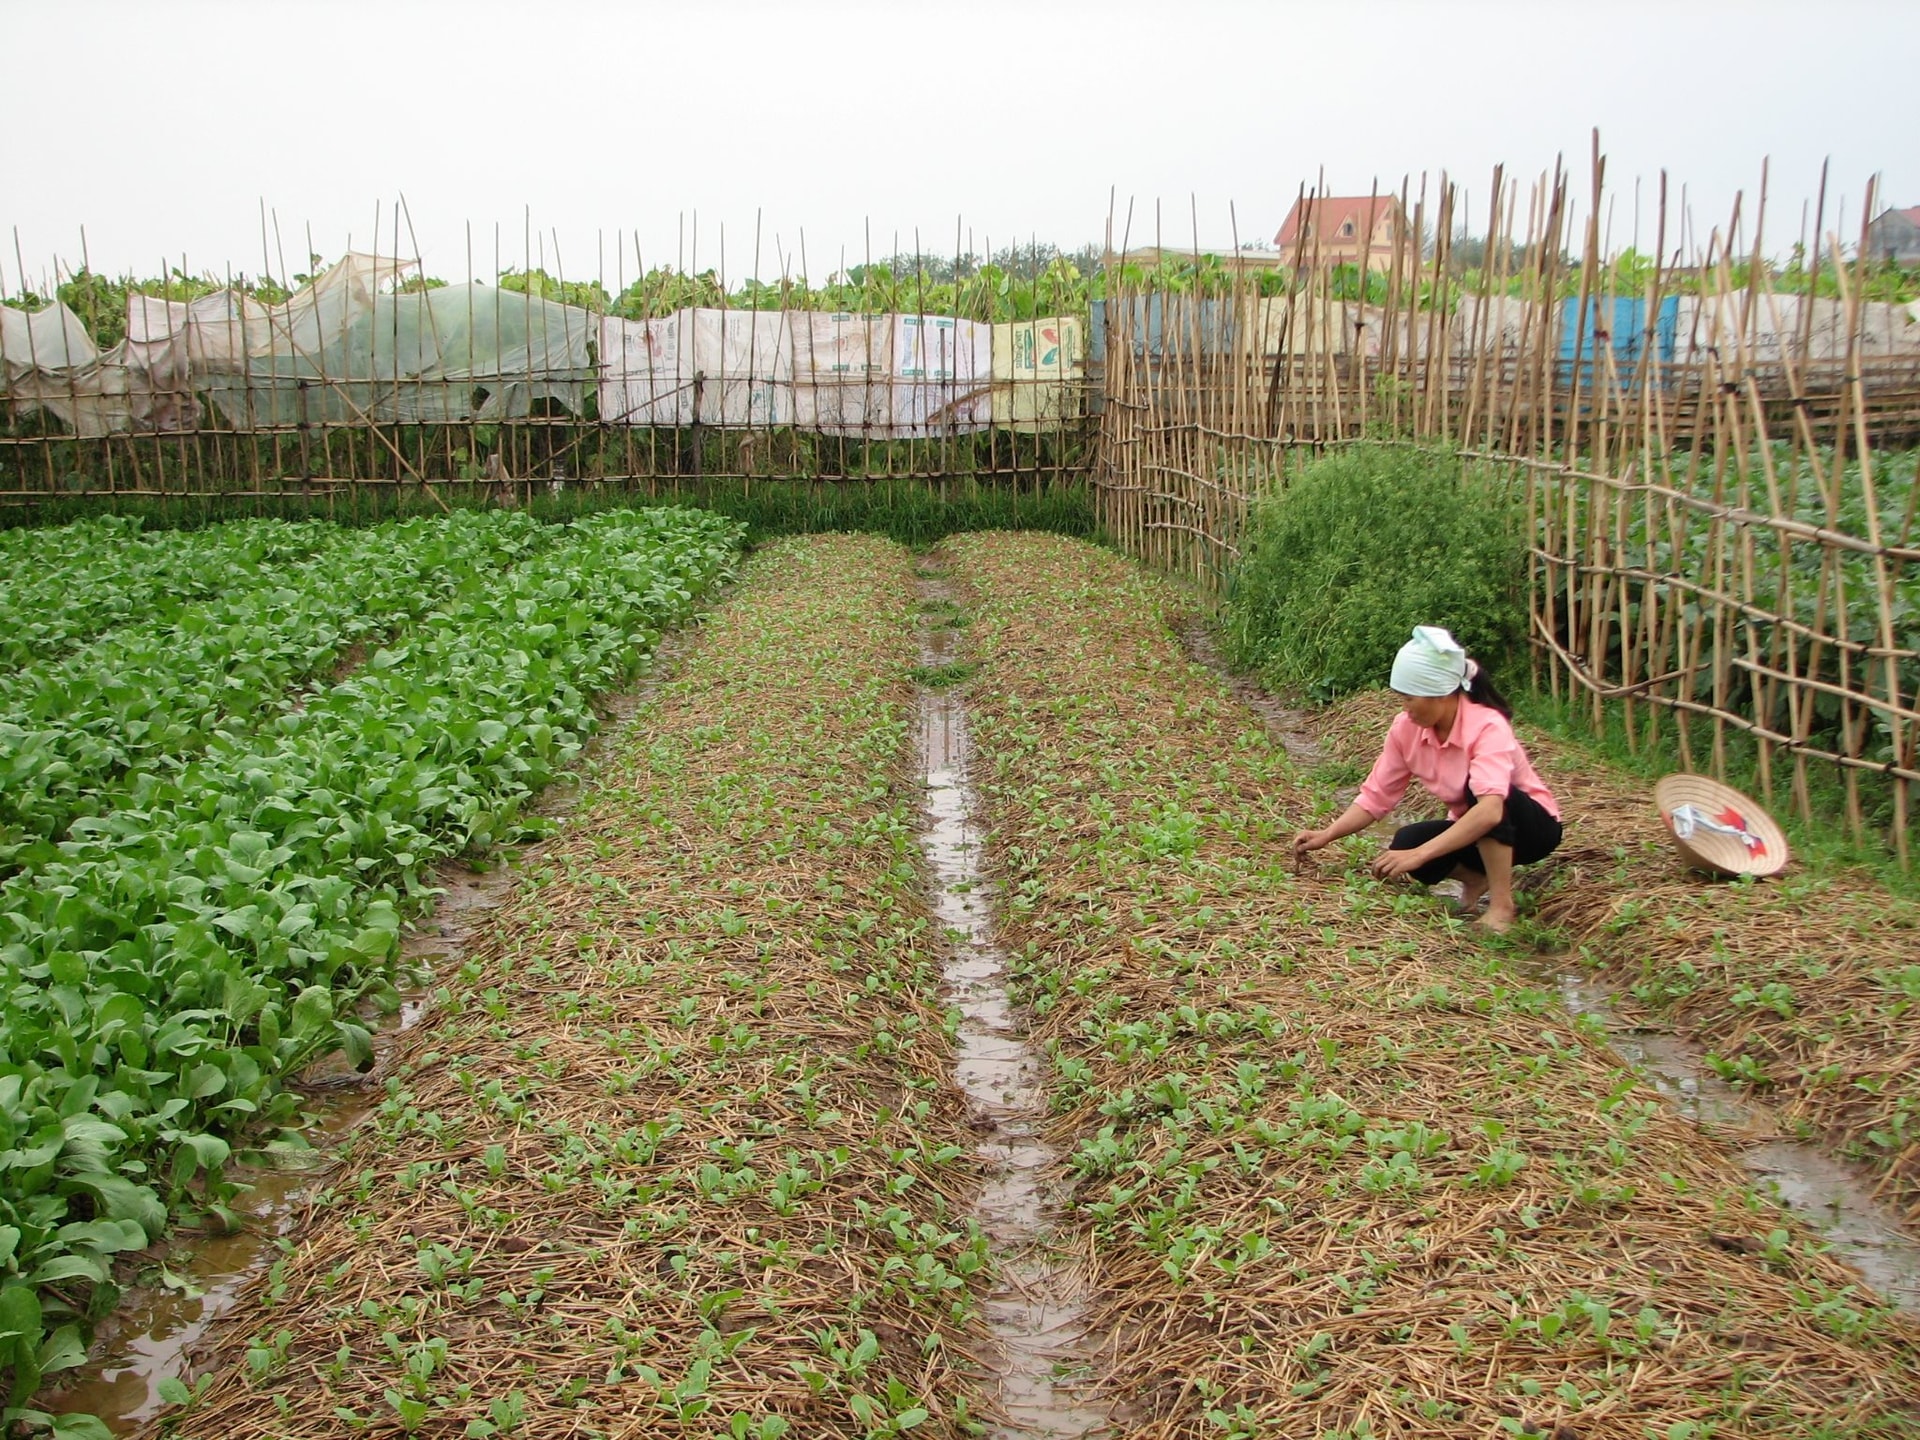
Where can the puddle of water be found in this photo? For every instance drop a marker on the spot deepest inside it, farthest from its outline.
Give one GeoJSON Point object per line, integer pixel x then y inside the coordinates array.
{"type": "Point", "coordinates": [149, 1334]}
{"type": "Point", "coordinates": [1816, 1188]}
{"type": "Point", "coordinates": [155, 1327]}
{"type": "Point", "coordinates": [1037, 1314]}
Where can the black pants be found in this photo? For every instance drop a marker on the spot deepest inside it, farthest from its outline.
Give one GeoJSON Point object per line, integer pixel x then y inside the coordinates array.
{"type": "Point", "coordinates": [1526, 826]}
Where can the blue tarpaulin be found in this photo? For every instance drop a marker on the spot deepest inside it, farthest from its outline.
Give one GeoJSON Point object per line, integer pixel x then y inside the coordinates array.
{"type": "Point", "coordinates": [1620, 327]}
{"type": "Point", "coordinates": [1167, 323]}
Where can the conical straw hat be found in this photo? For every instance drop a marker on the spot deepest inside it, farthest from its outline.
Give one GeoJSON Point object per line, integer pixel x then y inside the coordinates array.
{"type": "Point", "coordinates": [1715, 827]}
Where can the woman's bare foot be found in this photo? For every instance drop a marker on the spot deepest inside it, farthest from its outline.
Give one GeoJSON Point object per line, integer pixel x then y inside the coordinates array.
{"type": "Point", "coordinates": [1499, 918]}
{"type": "Point", "coordinates": [1471, 892]}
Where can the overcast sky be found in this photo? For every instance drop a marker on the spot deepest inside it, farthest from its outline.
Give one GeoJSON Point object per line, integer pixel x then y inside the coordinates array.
{"type": "Point", "coordinates": [163, 128]}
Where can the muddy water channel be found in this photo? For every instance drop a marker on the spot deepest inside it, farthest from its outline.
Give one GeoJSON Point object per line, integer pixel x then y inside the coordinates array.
{"type": "Point", "coordinates": [195, 1281]}
{"type": "Point", "coordinates": [1037, 1314]}
{"type": "Point", "coordinates": [1809, 1182]}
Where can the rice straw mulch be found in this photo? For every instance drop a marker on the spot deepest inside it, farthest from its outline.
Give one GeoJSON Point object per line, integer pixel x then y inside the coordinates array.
{"type": "Point", "coordinates": [1805, 986]}
{"type": "Point", "coordinates": [679, 1152]}
{"type": "Point", "coordinates": [1335, 1168]}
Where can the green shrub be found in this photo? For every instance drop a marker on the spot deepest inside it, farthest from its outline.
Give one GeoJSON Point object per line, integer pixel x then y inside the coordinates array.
{"type": "Point", "coordinates": [1338, 568]}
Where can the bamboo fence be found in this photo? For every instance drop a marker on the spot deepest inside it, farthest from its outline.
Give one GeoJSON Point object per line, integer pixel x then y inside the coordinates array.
{"type": "Point", "coordinates": [1722, 524]}
{"type": "Point", "coordinates": [286, 426]}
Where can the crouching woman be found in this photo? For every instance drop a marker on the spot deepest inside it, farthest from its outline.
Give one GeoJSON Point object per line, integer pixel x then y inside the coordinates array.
{"type": "Point", "coordinates": [1455, 736]}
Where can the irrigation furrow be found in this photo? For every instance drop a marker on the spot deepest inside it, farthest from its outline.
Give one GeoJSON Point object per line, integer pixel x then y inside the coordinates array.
{"type": "Point", "coordinates": [1821, 1192]}
{"type": "Point", "coordinates": [1036, 1314]}
{"type": "Point", "coordinates": [1803, 989]}
{"type": "Point", "coordinates": [1336, 1169]}
{"type": "Point", "coordinates": [678, 1152]}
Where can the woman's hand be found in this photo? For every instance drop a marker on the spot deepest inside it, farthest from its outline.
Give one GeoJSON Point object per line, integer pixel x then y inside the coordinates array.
{"type": "Point", "coordinates": [1351, 822]}
{"type": "Point", "coordinates": [1389, 863]}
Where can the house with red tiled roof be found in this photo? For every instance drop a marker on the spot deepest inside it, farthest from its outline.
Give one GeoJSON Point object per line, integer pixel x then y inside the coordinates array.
{"type": "Point", "coordinates": [1895, 235]}
{"type": "Point", "coordinates": [1346, 230]}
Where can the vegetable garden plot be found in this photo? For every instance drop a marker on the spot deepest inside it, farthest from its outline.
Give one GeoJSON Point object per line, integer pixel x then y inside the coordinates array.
{"type": "Point", "coordinates": [97, 730]}
{"type": "Point", "coordinates": [60, 587]}
{"type": "Point", "coordinates": [1803, 988]}
{"type": "Point", "coordinates": [1336, 1169]}
{"type": "Point", "coordinates": [170, 964]}
{"type": "Point", "coordinates": [678, 1154]}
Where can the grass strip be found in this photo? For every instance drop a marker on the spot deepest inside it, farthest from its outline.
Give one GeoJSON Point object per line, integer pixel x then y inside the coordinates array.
{"type": "Point", "coordinates": [679, 1152]}
{"type": "Point", "coordinates": [1336, 1169]}
{"type": "Point", "coordinates": [915, 512]}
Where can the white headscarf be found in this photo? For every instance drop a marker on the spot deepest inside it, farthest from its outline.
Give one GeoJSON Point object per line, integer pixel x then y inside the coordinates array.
{"type": "Point", "coordinates": [1432, 663]}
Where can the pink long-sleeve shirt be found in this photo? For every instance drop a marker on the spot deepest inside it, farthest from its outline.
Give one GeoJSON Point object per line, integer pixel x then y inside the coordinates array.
{"type": "Point", "coordinates": [1480, 752]}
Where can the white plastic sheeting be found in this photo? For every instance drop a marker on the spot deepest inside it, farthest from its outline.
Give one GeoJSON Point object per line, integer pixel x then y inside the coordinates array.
{"type": "Point", "coordinates": [942, 375]}
{"type": "Point", "coordinates": [49, 339]}
{"type": "Point", "coordinates": [1773, 328]}
{"type": "Point", "coordinates": [49, 362]}
{"type": "Point", "coordinates": [842, 367]}
{"type": "Point", "coordinates": [882, 376]}
{"type": "Point", "coordinates": [640, 375]}
{"type": "Point", "coordinates": [742, 366]}
{"type": "Point", "coordinates": [1298, 325]}
{"type": "Point", "coordinates": [350, 347]}
{"type": "Point", "coordinates": [730, 368]}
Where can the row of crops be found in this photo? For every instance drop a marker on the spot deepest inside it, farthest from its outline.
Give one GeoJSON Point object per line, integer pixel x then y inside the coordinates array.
{"type": "Point", "coordinates": [680, 1154]}
{"type": "Point", "coordinates": [1335, 1169]}
{"type": "Point", "coordinates": [228, 762]}
{"type": "Point", "coordinates": [61, 587]}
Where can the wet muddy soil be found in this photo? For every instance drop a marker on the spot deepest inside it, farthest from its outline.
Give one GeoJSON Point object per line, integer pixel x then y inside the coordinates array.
{"type": "Point", "coordinates": [1037, 1313]}
{"type": "Point", "coordinates": [1821, 1191]}
{"type": "Point", "coordinates": [1284, 722]}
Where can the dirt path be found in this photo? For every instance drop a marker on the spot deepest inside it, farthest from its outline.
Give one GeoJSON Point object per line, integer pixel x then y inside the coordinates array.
{"type": "Point", "coordinates": [1336, 1168]}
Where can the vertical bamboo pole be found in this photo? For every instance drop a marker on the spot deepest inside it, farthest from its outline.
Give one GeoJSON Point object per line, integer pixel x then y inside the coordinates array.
{"type": "Point", "coordinates": [1494, 299]}
{"type": "Point", "coordinates": [1850, 720]}
{"type": "Point", "coordinates": [1884, 596]}
{"type": "Point", "coordinates": [1524, 376]}
{"type": "Point", "coordinates": [1473, 416]}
